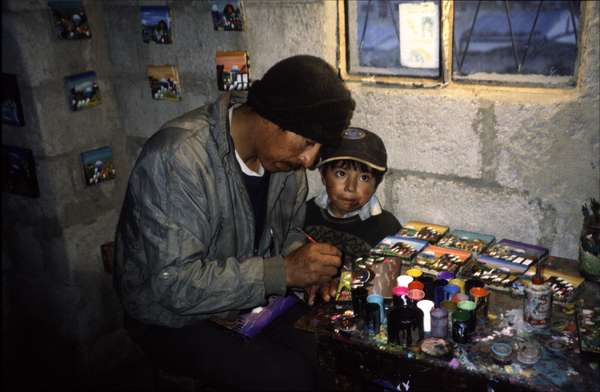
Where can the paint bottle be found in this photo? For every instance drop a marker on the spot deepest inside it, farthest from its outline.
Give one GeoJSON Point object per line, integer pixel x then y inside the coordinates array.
{"type": "Point", "coordinates": [537, 305]}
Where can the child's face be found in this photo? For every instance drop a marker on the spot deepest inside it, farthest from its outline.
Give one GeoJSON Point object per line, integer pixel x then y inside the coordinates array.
{"type": "Point", "coordinates": [348, 189]}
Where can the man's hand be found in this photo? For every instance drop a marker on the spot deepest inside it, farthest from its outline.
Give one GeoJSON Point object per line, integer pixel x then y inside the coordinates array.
{"type": "Point", "coordinates": [312, 264]}
{"type": "Point", "coordinates": [327, 291]}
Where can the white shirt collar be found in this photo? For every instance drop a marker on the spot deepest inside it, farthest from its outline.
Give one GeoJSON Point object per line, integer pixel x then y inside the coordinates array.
{"type": "Point", "coordinates": [371, 208]}
{"type": "Point", "coordinates": [245, 169]}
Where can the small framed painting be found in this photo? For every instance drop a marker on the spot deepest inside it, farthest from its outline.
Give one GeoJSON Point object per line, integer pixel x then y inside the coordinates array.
{"type": "Point", "coordinates": [227, 15]}
{"type": "Point", "coordinates": [82, 91]}
{"type": "Point", "coordinates": [98, 165]}
{"type": "Point", "coordinates": [12, 110]}
{"type": "Point", "coordinates": [18, 172]}
{"type": "Point", "coordinates": [164, 82]}
{"type": "Point", "coordinates": [69, 19]}
{"type": "Point", "coordinates": [232, 70]}
{"type": "Point", "coordinates": [156, 24]}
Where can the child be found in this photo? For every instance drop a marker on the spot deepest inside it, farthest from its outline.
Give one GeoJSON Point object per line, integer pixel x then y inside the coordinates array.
{"type": "Point", "coordinates": [347, 214]}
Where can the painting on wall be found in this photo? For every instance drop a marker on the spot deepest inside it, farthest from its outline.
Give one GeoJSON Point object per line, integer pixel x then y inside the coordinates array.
{"type": "Point", "coordinates": [18, 172]}
{"type": "Point", "coordinates": [227, 15]}
{"type": "Point", "coordinates": [156, 24]}
{"type": "Point", "coordinates": [98, 165]}
{"type": "Point", "coordinates": [164, 82]}
{"type": "Point", "coordinates": [69, 19]}
{"type": "Point", "coordinates": [82, 90]}
{"type": "Point", "coordinates": [12, 110]}
{"type": "Point", "coordinates": [232, 70]}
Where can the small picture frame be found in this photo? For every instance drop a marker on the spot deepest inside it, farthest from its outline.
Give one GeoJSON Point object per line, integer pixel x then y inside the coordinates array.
{"type": "Point", "coordinates": [156, 24]}
{"type": "Point", "coordinates": [70, 20]}
{"type": "Point", "coordinates": [227, 15]}
{"type": "Point", "coordinates": [107, 252]}
{"type": "Point", "coordinates": [12, 110]}
{"type": "Point", "coordinates": [164, 82]}
{"type": "Point", "coordinates": [82, 91]}
{"type": "Point", "coordinates": [232, 70]}
{"type": "Point", "coordinates": [18, 172]}
{"type": "Point", "coordinates": [98, 165]}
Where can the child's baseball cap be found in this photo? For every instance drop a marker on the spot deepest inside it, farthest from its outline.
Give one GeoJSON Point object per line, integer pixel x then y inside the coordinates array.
{"type": "Point", "coordinates": [360, 145]}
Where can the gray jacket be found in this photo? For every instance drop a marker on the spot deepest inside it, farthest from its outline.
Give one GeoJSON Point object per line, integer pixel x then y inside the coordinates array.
{"type": "Point", "coordinates": [185, 239]}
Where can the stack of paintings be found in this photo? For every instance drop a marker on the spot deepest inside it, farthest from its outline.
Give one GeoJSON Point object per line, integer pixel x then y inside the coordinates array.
{"type": "Point", "coordinates": [404, 248]}
{"type": "Point", "coordinates": [466, 240]}
{"type": "Point", "coordinates": [424, 231]}
{"type": "Point", "coordinates": [434, 259]}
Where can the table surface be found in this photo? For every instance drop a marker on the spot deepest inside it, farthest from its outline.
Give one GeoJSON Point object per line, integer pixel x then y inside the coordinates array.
{"type": "Point", "coordinates": [559, 369]}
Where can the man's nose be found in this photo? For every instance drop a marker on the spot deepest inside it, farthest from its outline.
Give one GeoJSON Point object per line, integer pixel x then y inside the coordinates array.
{"type": "Point", "coordinates": [309, 156]}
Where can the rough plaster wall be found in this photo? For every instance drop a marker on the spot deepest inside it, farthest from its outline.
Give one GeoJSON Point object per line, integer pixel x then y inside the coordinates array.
{"type": "Point", "coordinates": [56, 276]}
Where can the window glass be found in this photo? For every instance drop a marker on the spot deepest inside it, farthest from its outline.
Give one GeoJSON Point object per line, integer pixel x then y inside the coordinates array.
{"type": "Point", "coordinates": [515, 37]}
{"type": "Point", "coordinates": [393, 37]}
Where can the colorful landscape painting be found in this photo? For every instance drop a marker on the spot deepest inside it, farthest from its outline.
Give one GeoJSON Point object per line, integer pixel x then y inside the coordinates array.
{"type": "Point", "coordinates": [82, 90]}
{"type": "Point", "coordinates": [70, 19]}
{"type": "Point", "coordinates": [98, 165]}
{"type": "Point", "coordinates": [156, 24]}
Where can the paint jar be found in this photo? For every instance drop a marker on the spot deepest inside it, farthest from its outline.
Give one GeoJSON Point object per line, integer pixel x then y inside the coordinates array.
{"type": "Point", "coordinates": [373, 322]}
{"type": "Point", "coordinates": [404, 323]}
{"type": "Point", "coordinates": [416, 273]}
{"type": "Point", "coordinates": [428, 283]}
{"type": "Point", "coordinates": [426, 305]}
{"type": "Point", "coordinates": [439, 323]}
{"type": "Point", "coordinates": [501, 352]}
{"type": "Point", "coordinates": [439, 285]}
{"type": "Point", "coordinates": [450, 308]}
{"type": "Point", "coordinates": [481, 297]}
{"type": "Point", "coordinates": [378, 299]}
{"type": "Point", "coordinates": [445, 275]}
{"type": "Point", "coordinates": [460, 326]}
{"type": "Point", "coordinates": [398, 291]}
{"type": "Point", "coordinates": [537, 305]}
{"type": "Point", "coordinates": [359, 302]}
{"type": "Point", "coordinates": [416, 284]}
{"type": "Point", "coordinates": [404, 280]}
{"type": "Point", "coordinates": [473, 282]}
{"type": "Point", "coordinates": [458, 297]}
{"type": "Point", "coordinates": [458, 282]}
{"type": "Point", "coordinates": [469, 307]}
{"type": "Point", "coordinates": [450, 290]}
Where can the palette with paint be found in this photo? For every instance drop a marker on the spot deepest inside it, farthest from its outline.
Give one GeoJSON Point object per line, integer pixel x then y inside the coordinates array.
{"type": "Point", "coordinates": [424, 231]}
{"type": "Point", "coordinates": [466, 240]}
{"type": "Point", "coordinates": [434, 259]}
{"type": "Point", "coordinates": [404, 248]}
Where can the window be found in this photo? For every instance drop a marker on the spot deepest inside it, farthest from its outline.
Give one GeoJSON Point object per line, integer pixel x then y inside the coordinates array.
{"type": "Point", "coordinates": [532, 42]}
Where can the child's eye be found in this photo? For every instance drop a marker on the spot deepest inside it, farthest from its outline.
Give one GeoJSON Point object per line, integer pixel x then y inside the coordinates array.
{"type": "Point", "coordinates": [365, 177]}
{"type": "Point", "coordinates": [340, 173]}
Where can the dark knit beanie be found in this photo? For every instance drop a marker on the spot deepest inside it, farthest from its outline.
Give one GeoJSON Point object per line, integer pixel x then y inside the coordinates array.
{"type": "Point", "coordinates": [305, 95]}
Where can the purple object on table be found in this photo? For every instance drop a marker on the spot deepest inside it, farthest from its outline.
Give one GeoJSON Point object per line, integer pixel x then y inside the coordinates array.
{"type": "Point", "coordinates": [445, 275]}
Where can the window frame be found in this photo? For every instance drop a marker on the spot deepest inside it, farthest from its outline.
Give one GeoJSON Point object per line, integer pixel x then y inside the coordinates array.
{"type": "Point", "coordinates": [446, 59]}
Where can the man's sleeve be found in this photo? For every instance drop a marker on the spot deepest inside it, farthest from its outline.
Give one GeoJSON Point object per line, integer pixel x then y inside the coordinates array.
{"type": "Point", "coordinates": [177, 223]}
